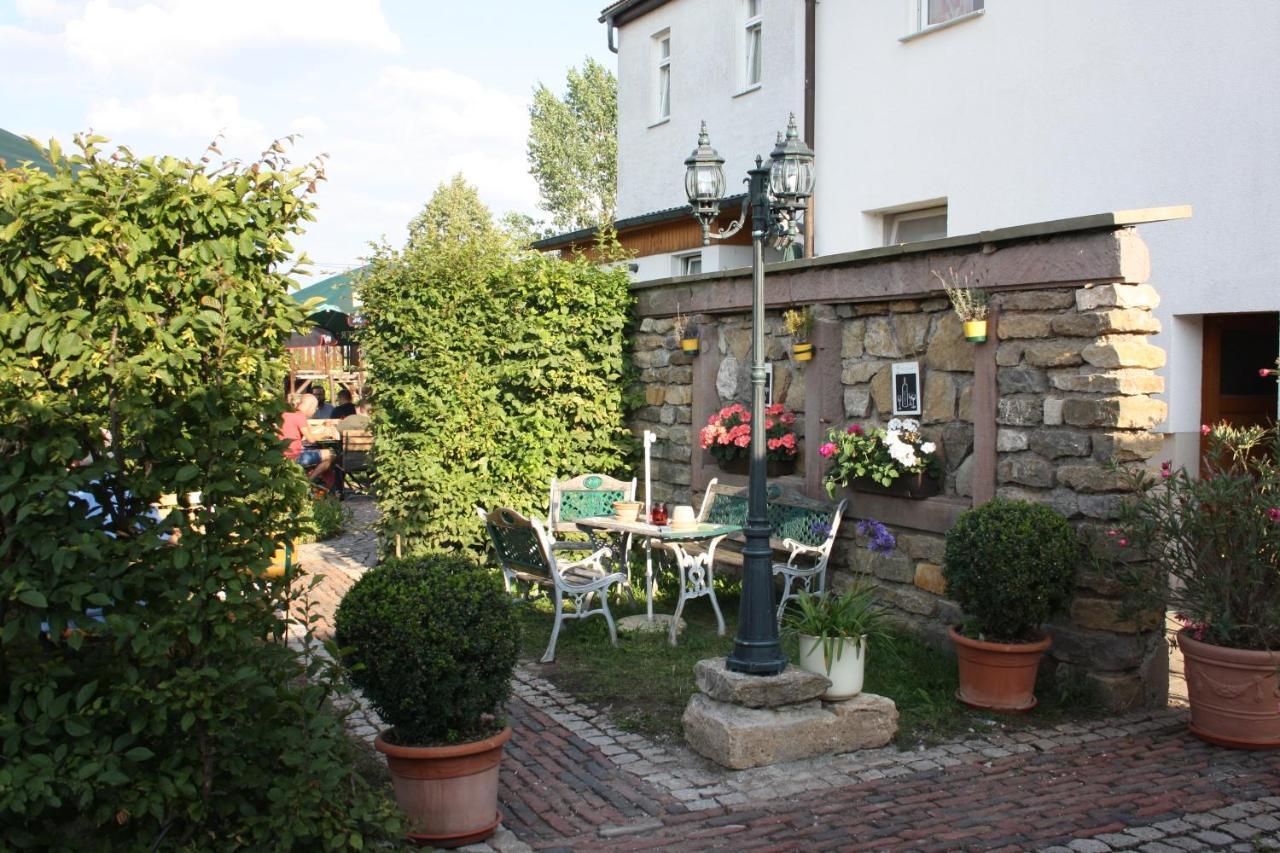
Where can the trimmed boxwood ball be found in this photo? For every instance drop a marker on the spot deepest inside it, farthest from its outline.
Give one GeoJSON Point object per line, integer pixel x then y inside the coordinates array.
{"type": "Point", "coordinates": [1011, 565]}
{"type": "Point", "coordinates": [431, 641]}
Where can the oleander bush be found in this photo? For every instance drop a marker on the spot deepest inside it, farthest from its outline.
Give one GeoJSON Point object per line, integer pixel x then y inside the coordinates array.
{"type": "Point", "coordinates": [147, 697]}
{"type": "Point", "coordinates": [1010, 565]}
{"type": "Point", "coordinates": [431, 641]}
{"type": "Point", "coordinates": [497, 369]}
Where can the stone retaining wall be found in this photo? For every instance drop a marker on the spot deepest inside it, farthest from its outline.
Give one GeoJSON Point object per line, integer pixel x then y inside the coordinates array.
{"type": "Point", "coordinates": [1059, 396]}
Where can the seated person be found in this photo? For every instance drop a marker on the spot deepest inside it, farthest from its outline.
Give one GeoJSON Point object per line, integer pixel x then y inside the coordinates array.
{"type": "Point", "coordinates": [324, 411]}
{"type": "Point", "coordinates": [345, 407]}
{"type": "Point", "coordinates": [295, 430]}
{"type": "Point", "coordinates": [358, 419]}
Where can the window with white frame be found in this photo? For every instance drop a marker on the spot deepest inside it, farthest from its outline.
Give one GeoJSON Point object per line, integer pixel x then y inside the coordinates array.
{"type": "Point", "coordinates": [911, 226]}
{"type": "Point", "coordinates": [751, 43]}
{"type": "Point", "coordinates": [933, 13]}
{"type": "Point", "coordinates": [662, 75]}
{"type": "Point", "coordinates": [690, 264]}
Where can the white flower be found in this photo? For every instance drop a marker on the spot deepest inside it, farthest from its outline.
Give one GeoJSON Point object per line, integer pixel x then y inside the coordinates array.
{"type": "Point", "coordinates": [928, 447]}
{"type": "Point", "coordinates": [909, 425]}
{"type": "Point", "coordinates": [895, 425]}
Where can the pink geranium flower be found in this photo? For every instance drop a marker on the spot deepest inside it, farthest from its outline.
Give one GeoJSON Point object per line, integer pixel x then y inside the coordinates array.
{"type": "Point", "coordinates": [854, 429]}
{"type": "Point", "coordinates": [827, 449]}
{"type": "Point", "coordinates": [1274, 513]}
{"type": "Point", "coordinates": [1205, 429]}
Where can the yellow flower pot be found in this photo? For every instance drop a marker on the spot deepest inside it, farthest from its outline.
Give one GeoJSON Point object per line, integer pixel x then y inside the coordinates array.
{"type": "Point", "coordinates": [802, 351]}
{"type": "Point", "coordinates": [975, 331]}
{"type": "Point", "coordinates": [689, 345]}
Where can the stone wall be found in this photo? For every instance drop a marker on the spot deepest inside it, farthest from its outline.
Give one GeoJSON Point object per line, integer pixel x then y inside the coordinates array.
{"type": "Point", "coordinates": [1048, 410]}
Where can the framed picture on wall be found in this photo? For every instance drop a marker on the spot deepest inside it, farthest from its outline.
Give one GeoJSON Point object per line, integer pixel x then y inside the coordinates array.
{"type": "Point", "coordinates": [906, 388]}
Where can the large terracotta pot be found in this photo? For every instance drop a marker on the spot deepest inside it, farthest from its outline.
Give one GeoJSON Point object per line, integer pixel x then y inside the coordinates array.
{"type": "Point", "coordinates": [448, 793]}
{"type": "Point", "coordinates": [998, 676]}
{"type": "Point", "coordinates": [1234, 693]}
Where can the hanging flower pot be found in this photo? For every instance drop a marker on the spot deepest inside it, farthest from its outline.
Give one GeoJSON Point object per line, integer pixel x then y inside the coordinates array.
{"type": "Point", "coordinates": [802, 351]}
{"type": "Point", "coordinates": [975, 331]}
{"type": "Point", "coordinates": [689, 345]}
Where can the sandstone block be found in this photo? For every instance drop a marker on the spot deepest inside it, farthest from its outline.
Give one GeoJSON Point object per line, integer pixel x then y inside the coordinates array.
{"type": "Point", "coordinates": [909, 598]}
{"type": "Point", "coordinates": [964, 478]}
{"type": "Point", "coordinates": [1058, 352]}
{"type": "Point", "coordinates": [1123, 381]}
{"type": "Point", "coordinates": [1123, 351]}
{"type": "Point", "coordinates": [851, 339]}
{"type": "Point", "coordinates": [789, 687]}
{"type": "Point", "coordinates": [929, 578]}
{"type": "Point", "coordinates": [1117, 691]}
{"type": "Point", "coordinates": [857, 402]}
{"type": "Point", "coordinates": [738, 738]}
{"type": "Point", "coordinates": [957, 442]}
{"type": "Point", "coordinates": [1095, 650]}
{"type": "Point", "coordinates": [911, 331]}
{"type": "Point", "coordinates": [1011, 440]}
{"type": "Point", "coordinates": [880, 339]}
{"type": "Point", "coordinates": [923, 546]}
{"type": "Point", "coordinates": [1052, 443]}
{"type": "Point", "coordinates": [870, 309]}
{"type": "Point", "coordinates": [947, 348]}
{"type": "Point", "coordinates": [1126, 446]}
{"type": "Point", "coordinates": [1061, 501]}
{"type": "Point", "coordinates": [964, 406]}
{"type": "Point", "coordinates": [1101, 614]}
{"type": "Point", "coordinates": [1090, 324]}
{"type": "Point", "coordinates": [738, 343]}
{"type": "Point", "coordinates": [1138, 412]}
{"type": "Point", "coordinates": [1009, 354]}
{"type": "Point", "coordinates": [882, 390]}
{"type": "Point", "coordinates": [904, 306]}
{"type": "Point", "coordinates": [1021, 380]}
{"type": "Point", "coordinates": [1019, 411]}
{"type": "Point", "coordinates": [727, 377]}
{"type": "Point", "coordinates": [857, 372]}
{"type": "Point", "coordinates": [935, 304]}
{"type": "Point", "coordinates": [1026, 469]}
{"type": "Point", "coordinates": [1053, 411]}
{"type": "Point", "coordinates": [939, 397]}
{"type": "Point", "coordinates": [1036, 300]}
{"type": "Point", "coordinates": [646, 342]}
{"type": "Point", "coordinates": [678, 395]}
{"type": "Point", "coordinates": [681, 357]}
{"type": "Point", "coordinates": [1101, 506]}
{"type": "Point", "coordinates": [1092, 478]}
{"type": "Point", "coordinates": [654, 395]}
{"type": "Point", "coordinates": [1117, 296]}
{"type": "Point", "coordinates": [896, 567]}
{"type": "Point", "coordinates": [1012, 326]}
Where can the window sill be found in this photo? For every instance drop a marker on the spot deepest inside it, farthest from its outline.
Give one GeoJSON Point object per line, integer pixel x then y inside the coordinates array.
{"type": "Point", "coordinates": [968, 16]}
{"type": "Point", "coordinates": [748, 90]}
{"type": "Point", "coordinates": [660, 122]}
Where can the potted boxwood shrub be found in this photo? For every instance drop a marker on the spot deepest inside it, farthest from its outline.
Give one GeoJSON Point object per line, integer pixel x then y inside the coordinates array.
{"type": "Point", "coordinates": [1010, 565]}
{"type": "Point", "coordinates": [835, 631]}
{"type": "Point", "coordinates": [1210, 547]}
{"type": "Point", "coordinates": [432, 643]}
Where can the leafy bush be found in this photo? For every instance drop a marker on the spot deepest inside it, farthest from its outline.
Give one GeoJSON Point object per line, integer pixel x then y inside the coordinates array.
{"type": "Point", "coordinates": [1217, 537]}
{"type": "Point", "coordinates": [1011, 565]}
{"type": "Point", "coordinates": [329, 517]}
{"type": "Point", "coordinates": [146, 310]}
{"type": "Point", "coordinates": [497, 370]}
{"type": "Point", "coordinates": [432, 642]}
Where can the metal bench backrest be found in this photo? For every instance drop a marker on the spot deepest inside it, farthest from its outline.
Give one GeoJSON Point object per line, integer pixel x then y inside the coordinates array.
{"type": "Point", "coordinates": [791, 515]}
{"type": "Point", "coordinates": [520, 544]}
{"type": "Point", "coordinates": [585, 496]}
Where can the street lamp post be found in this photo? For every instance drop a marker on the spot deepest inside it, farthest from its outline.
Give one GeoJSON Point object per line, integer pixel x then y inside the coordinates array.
{"type": "Point", "coordinates": [777, 197]}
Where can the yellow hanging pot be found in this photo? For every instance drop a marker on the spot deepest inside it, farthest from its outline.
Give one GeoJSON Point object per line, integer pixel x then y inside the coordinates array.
{"type": "Point", "coordinates": [802, 351]}
{"type": "Point", "coordinates": [689, 345]}
{"type": "Point", "coordinates": [975, 331]}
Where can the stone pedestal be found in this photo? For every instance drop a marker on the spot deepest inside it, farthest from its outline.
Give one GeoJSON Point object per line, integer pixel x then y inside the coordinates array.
{"type": "Point", "coordinates": [741, 721]}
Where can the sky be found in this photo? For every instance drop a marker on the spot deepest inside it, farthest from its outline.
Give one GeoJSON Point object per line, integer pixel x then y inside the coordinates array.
{"type": "Point", "coordinates": [400, 94]}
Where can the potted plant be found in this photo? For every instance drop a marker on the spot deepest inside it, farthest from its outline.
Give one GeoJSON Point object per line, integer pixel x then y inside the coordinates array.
{"type": "Point", "coordinates": [1010, 565]}
{"type": "Point", "coordinates": [431, 641]}
{"type": "Point", "coordinates": [680, 325]}
{"type": "Point", "coordinates": [798, 323]}
{"type": "Point", "coordinates": [969, 303]}
{"type": "Point", "coordinates": [728, 436]}
{"type": "Point", "coordinates": [835, 632]}
{"type": "Point", "coordinates": [1209, 548]}
{"type": "Point", "coordinates": [896, 460]}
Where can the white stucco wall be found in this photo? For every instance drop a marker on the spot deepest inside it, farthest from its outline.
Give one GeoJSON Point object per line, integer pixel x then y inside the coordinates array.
{"type": "Point", "coordinates": [1036, 111]}
{"type": "Point", "coordinates": [706, 64]}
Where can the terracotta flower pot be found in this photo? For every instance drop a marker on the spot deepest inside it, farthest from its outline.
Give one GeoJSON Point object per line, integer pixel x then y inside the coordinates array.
{"type": "Point", "coordinates": [448, 793]}
{"type": "Point", "coordinates": [998, 676]}
{"type": "Point", "coordinates": [1234, 693]}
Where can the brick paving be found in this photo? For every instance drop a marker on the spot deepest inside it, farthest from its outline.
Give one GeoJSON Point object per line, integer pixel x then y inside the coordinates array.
{"type": "Point", "coordinates": [574, 781]}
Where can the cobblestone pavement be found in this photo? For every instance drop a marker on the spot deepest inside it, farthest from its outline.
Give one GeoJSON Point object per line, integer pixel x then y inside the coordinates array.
{"type": "Point", "coordinates": [571, 780]}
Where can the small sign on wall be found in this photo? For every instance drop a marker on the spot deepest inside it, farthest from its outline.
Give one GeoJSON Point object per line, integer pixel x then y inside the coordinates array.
{"type": "Point", "coordinates": [906, 388]}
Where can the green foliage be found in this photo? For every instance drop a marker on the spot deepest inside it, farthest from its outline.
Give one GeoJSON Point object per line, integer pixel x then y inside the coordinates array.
{"type": "Point", "coordinates": [1216, 537]}
{"type": "Point", "coordinates": [146, 308]}
{"type": "Point", "coordinates": [496, 371]}
{"type": "Point", "coordinates": [432, 643]}
{"type": "Point", "coordinates": [329, 517]}
{"type": "Point", "coordinates": [1011, 565]}
{"type": "Point", "coordinates": [573, 147]}
{"type": "Point", "coordinates": [883, 455]}
{"type": "Point", "coordinates": [853, 614]}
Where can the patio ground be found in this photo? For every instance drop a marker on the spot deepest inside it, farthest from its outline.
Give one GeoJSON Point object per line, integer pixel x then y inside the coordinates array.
{"type": "Point", "coordinates": [573, 780]}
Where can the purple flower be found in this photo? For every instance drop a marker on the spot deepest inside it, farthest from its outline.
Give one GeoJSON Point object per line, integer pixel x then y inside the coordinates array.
{"type": "Point", "coordinates": [820, 529]}
{"type": "Point", "coordinates": [880, 539]}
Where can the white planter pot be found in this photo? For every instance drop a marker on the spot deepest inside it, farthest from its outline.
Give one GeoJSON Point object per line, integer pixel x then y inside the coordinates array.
{"type": "Point", "coordinates": [848, 664]}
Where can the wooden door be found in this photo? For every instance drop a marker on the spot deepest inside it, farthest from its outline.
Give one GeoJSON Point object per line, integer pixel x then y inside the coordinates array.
{"type": "Point", "coordinates": [1236, 347]}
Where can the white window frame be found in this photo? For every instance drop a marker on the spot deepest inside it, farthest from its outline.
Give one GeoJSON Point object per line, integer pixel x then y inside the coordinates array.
{"type": "Point", "coordinates": [661, 72]}
{"type": "Point", "coordinates": [750, 23]}
{"type": "Point", "coordinates": [683, 262]}
{"type": "Point", "coordinates": [918, 19]}
{"type": "Point", "coordinates": [894, 218]}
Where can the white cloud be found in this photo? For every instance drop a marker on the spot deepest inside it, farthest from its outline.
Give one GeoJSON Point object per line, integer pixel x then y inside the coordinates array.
{"type": "Point", "coordinates": [109, 36]}
{"type": "Point", "coordinates": [45, 10]}
{"type": "Point", "coordinates": [193, 116]}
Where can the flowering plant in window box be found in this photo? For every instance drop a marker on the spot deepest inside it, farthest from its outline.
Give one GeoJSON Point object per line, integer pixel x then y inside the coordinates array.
{"type": "Point", "coordinates": [896, 459]}
{"type": "Point", "coordinates": [728, 436]}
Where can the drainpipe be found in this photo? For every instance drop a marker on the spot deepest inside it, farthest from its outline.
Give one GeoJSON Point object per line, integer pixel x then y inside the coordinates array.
{"type": "Point", "coordinates": [610, 29]}
{"type": "Point", "coordinates": [810, 72]}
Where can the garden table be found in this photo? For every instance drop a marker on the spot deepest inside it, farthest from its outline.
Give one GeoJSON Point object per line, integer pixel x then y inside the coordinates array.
{"type": "Point", "coordinates": [694, 570]}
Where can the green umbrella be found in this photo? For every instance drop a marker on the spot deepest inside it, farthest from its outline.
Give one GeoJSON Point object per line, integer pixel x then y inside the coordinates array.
{"type": "Point", "coordinates": [337, 301]}
{"type": "Point", "coordinates": [14, 151]}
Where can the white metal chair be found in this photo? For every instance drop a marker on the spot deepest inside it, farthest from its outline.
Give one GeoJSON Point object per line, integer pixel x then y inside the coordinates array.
{"type": "Point", "coordinates": [584, 496]}
{"type": "Point", "coordinates": [527, 553]}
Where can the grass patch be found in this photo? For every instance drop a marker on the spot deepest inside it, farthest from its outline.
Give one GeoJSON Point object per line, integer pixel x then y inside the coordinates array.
{"type": "Point", "coordinates": [644, 683]}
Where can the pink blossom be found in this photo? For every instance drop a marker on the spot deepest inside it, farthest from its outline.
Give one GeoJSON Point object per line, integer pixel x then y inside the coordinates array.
{"type": "Point", "coordinates": [789, 441]}
{"type": "Point", "coordinates": [742, 440]}
{"type": "Point", "coordinates": [1165, 470]}
{"type": "Point", "coordinates": [1123, 542]}
{"type": "Point", "coordinates": [1113, 532]}
{"type": "Point", "coordinates": [1264, 372]}
{"type": "Point", "coordinates": [788, 419]}
{"type": "Point", "coordinates": [827, 449]}
{"type": "Point", "coordinates": [1205, 429]}
{"type": "Point", "coordinates": [1274, 513]}
{"type": "Point", "coordinates": [854, 429]}
{"type": "Point", "coordinates": [774, 443]}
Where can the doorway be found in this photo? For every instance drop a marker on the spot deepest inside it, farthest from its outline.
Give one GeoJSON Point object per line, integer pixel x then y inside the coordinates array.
{"type": "Point", "coordinates": [1236, 347]}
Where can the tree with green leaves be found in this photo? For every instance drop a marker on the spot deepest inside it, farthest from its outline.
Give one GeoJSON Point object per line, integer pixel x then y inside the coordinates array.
{"type": "Point", "coordinates": [148, 698]}
{"type": "Point", "coordinates": [573, 148]}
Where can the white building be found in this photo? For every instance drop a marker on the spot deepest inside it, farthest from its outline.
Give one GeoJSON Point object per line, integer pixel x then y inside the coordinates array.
{"type": "Point", "coordinates": [944, 117]}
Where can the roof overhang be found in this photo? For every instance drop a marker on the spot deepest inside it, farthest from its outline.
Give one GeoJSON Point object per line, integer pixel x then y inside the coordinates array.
{"type": "Point", "coordinates": [628, 10]}
{"type": "Point", "coordinates": [669, 214]}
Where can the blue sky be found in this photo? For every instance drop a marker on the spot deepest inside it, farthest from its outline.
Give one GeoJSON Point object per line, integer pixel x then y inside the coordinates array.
{"type": "Point", "coordinates": [400, 94]}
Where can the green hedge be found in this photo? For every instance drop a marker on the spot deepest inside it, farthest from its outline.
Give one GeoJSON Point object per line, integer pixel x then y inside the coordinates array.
{"type": "Point", "coordinates": [495, 370]}
{"type": "Point", "coordinates": [144, 299]}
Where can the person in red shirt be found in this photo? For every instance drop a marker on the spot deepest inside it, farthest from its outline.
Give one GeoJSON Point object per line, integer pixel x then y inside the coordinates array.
{"type": "Point", "coordinates": [295, 430]}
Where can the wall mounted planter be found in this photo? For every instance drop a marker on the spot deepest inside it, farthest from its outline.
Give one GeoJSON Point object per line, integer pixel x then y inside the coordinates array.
{"type": "Point", "coordinates": [975, 331]}
{"type": "Point", "coordinates": [689, 345]}
{"type": "Point", "coordinates": [913, 486]}
{"type": "Point", "coordinates": [802, 351]}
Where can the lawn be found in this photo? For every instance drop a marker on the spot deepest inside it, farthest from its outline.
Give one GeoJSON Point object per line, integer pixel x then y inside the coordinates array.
{"type": "Point", "coordinates": [644, 683]}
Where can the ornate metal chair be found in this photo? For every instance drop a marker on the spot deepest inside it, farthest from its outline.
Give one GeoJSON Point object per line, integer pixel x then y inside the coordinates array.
{"type": "Point", "coordinates": [527, 553]}
{"type": "Point", "coordinates": [585, 496]}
